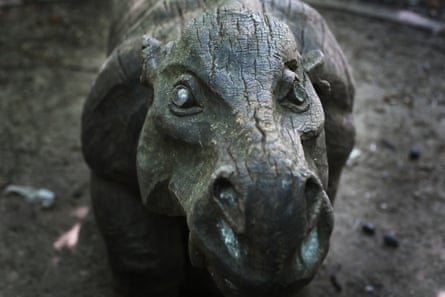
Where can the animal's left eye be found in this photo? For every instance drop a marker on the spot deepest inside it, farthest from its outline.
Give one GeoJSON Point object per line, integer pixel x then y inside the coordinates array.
{"type": "Point", "coordinates": [183, 97]}
{"type": "Point", "coordinates": [297, 98]}
{"type": "Point", "coordinates": [183, 102]}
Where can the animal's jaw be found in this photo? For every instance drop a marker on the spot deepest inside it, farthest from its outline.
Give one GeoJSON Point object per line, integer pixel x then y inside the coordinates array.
{"type": "Point", "coordinates": [227, 257]}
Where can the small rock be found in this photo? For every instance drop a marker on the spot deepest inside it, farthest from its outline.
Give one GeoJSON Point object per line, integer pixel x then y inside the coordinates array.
{"type": "Point", "coordinates": [390, 240]}
{"type": "Point", "coordinates": [383, 206]}
{"type": "Point", "coordinates": [368, 229]}
{"type": "Point", "coordinates": [77, 194]}
{"type": "Point", "coordinates": [44, 197]}
{"type": "Point", "coordinates": [355, 154]}
{"type": "Point", "coordinates": [414, 154]}
{"type": "Point", "coordinates": [369, 289]}
{"type": "Point", "coordinates": [379, 109]}
{"type": "Point", "coordinates": [388, 144]}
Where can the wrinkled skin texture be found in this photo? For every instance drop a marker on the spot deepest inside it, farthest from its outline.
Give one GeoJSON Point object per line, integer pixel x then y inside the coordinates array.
{"type": "Point", "coordinates": [222, 153]}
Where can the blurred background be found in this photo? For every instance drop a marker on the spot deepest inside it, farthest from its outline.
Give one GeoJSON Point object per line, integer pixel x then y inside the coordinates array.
{"type": "Point", "coordinates": [431, 8]}
{"type": "Point", "coordinates": [389, 238]}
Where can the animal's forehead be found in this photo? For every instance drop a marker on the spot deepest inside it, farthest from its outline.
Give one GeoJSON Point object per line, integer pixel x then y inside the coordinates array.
{"type": "Point", "coordinates": [236, 50]}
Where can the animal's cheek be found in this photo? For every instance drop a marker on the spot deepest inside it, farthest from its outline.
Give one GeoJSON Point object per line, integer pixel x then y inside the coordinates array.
{"type": "Point", "coordinates": [311, 123]}
{"type": "Point", "coordinates": [192, 130]}
{"type": "Point", "coordinates": [305, 126]}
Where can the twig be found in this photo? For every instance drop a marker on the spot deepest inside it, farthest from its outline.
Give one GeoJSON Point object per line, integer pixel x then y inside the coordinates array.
{"type": "Point", "coordinates": [404, 17]}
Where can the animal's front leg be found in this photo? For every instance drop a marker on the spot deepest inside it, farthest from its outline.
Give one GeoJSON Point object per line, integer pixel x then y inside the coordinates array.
{"type": "Point", "coordinates": [146, 251]}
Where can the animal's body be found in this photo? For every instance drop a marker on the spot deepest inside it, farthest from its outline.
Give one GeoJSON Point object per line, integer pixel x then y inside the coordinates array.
{"type": "Point", "coordinates": [218, 139]}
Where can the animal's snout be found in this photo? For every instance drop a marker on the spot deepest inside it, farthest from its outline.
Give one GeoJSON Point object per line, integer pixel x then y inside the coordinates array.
{"type": "Point", "coordinates": [271, 223]}
{"type": "Point", "coordinates": [279, 222]}
{"type": "Point", "coordinates": [279, 199]}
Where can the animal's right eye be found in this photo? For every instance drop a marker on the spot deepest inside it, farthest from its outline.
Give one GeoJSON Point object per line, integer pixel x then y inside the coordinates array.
{"type": "Point", "coordinates": [183, 102]}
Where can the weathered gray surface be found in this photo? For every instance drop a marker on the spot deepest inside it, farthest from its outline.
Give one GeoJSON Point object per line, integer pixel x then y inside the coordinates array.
{"type": "Point", "coordinates": [139, 17]}
{"type": "Point", "coordinates": [236, 139]}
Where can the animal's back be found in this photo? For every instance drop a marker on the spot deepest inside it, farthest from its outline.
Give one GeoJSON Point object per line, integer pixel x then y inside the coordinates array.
{"type": "Point", "coordinates": [162, 19]}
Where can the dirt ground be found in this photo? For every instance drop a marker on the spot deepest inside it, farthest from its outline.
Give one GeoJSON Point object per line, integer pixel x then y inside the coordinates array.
{"type": "Point", "coordinates": [49, 54]}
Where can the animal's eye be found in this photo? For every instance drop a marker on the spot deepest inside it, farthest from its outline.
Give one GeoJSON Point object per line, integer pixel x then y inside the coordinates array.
{"type": "Point", "coordinates": [183, 97]}
{"type": "Point", "coordinates": [183, 101]}
{"type": "Point", "coordinates": [297, 98]}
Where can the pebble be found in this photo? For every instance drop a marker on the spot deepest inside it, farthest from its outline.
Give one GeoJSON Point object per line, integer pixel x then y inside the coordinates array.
{"type": "Point", "coordinates": [388, 144]}
{"type": "Point", "coordinates": [383, 206]}
{"type": "Point", "coordinates": [369, 289]}
{"type": "Point", "coordinates": [368, 229]}
{"type": "Point", "coordinates": [77, 194]}
{"type": "Point", "coordinates": [414, 154]}
{"type": "Point", "coordinates": [44, 197]}
{"type": "Point", "coordinates": [354, 156]}
{"type": "Point", "coordinates": [390, 240]}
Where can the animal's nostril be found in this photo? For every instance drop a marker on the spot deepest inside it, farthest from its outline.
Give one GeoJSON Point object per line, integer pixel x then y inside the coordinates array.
{"type": "Point", "coordinates": [230, 203]}
{"type": "Point", "coordinates": [224, 191]}
{"type": "Point", "coordinates": [311, 190]}
{"type": "Point", "coordinates": [312, 196]}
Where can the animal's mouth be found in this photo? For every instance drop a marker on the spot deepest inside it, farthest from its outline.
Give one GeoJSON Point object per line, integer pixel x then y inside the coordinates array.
{"type": "Point", "coordinates": [316, 240]}
{"type": "Point", "coordinates": [288, 223]}
{"type": "Point", "coordinates": [315, 244]}
{"type": "Point", "coordinates": [225, 256]}
{"type": "Point", "coordinates": [310, 253]}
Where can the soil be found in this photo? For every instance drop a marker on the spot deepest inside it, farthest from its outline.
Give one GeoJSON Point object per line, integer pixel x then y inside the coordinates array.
{"type": "Point", "coordinates": [432, 8]}
{"type": "Point", "coordinates": [49, 54]}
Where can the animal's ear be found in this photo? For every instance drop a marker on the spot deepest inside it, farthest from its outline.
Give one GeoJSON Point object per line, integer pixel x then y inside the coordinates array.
{"type": "Point", "coordinates": [154, 170]}
{"type": "Point", "coordinates": [151, 53]}
{"type": "Point", "coordinates": [312, 60]}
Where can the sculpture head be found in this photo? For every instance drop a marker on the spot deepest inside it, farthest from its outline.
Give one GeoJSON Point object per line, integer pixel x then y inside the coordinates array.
{"type": "Point", "coordinates": [234, 140]}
